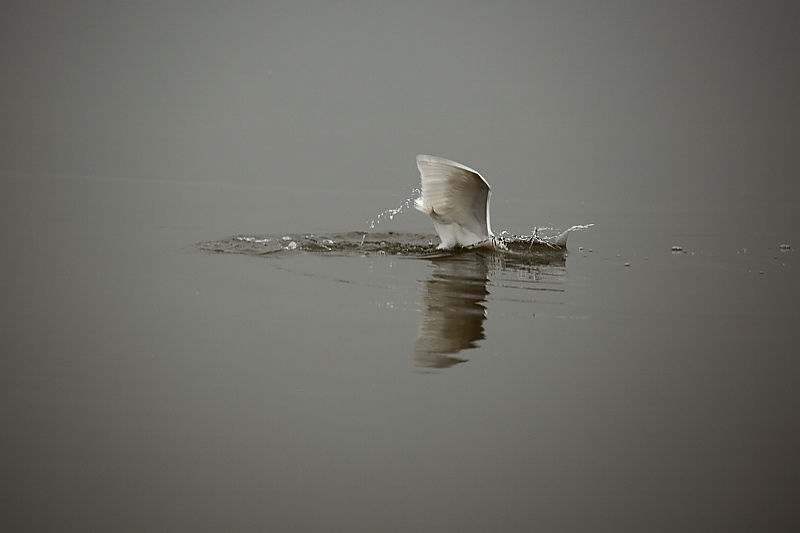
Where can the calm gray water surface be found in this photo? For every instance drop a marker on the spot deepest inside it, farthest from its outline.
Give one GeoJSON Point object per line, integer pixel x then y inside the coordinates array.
{"type": "Point", "coordinates": [148, 385]}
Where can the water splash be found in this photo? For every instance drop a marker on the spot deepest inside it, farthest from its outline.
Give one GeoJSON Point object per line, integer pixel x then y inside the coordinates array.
{"type": "Point", "coordinates": [391, 213]}
{"type": "Point", "coordinates": [538, 237]}
{"type": "Point", "coordinates": [517, 250]}
{"type": "Point", "coordinates": [351, 243]}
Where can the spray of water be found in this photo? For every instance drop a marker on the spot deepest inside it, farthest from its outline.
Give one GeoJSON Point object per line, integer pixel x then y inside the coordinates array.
{"type": "Point", "coordinates": [391, 213]}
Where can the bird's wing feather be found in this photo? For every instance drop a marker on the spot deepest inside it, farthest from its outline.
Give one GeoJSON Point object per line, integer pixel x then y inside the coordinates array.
{"type": "Point", "coordinates": [453, 194]}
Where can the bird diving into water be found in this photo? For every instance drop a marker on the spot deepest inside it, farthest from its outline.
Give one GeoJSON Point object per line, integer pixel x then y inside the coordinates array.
{"type": "Point", "coordinates": [457, 199]}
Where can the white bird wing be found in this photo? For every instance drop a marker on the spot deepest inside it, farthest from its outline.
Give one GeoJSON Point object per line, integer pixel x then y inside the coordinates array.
{"type": "Point", "coordinates": [457, 199]}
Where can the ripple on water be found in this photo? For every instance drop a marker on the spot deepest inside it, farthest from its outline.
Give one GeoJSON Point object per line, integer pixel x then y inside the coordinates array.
{"type": "Point", "coordinates": [521, 250]}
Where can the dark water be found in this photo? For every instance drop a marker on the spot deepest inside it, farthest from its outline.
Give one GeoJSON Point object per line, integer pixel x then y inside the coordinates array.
{"type": "Point", "coordinates": [150, 381]}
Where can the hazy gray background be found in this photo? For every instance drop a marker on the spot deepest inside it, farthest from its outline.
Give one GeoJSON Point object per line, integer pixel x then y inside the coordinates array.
{"type": "Point", "coordinates": [596, 101]}
{"type": "Point", "coordinates": [148, 388]}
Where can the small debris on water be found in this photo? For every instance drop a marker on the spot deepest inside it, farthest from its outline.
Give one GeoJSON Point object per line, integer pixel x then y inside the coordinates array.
{"type": "Point", "coordinates": [785, 247]}
{"type": "Point", "coordinates": [677, 248]}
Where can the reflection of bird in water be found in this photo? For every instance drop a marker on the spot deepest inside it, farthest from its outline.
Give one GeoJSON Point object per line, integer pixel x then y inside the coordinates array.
{"type": "Point", "coordinates": [457, 199]}
{"type": "Point", "coordinates": [455, 298]}
{"type": "Point", "coordinates": [452, 313]}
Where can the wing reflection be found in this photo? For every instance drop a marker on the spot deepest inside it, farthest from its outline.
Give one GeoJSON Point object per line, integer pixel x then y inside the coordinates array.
{"type": "Point", "coordinates": [453, 300]}
{"type": "Point", "coordinates": [452, 310]}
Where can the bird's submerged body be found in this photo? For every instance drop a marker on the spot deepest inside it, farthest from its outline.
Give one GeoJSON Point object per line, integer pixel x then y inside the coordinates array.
{"type": "Point", "coordinates": [457, 199]}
